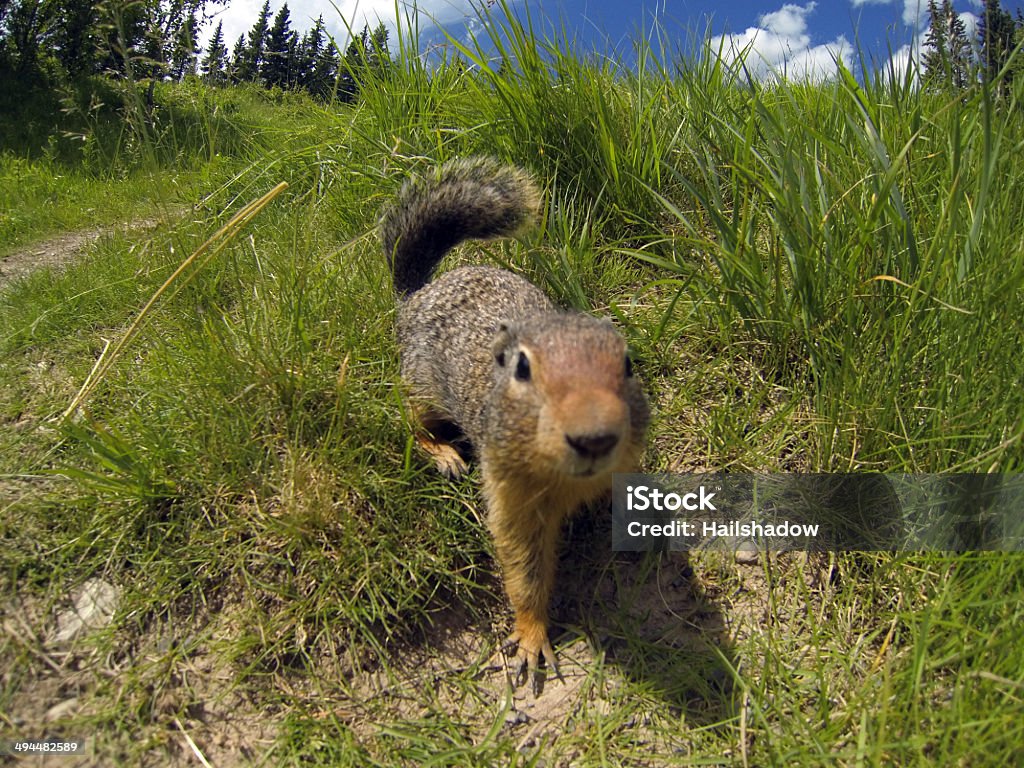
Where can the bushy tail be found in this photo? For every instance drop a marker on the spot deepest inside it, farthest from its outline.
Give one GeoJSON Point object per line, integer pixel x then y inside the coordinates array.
{"type": "Point", "coordinates": [468, 199]}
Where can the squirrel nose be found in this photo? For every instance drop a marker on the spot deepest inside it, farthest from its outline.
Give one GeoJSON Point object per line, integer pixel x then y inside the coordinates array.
{"type": "Point", "coordinates": [592, 446]}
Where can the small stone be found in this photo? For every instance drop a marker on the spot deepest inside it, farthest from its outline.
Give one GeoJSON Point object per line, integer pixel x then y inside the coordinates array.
{"type": "Point", "coordinates": [61, 709]}
{"type": "Point", "coordinates": [516, 717]}
{"type": "Point", "coordinates": [94, 606]}
{"type": "Point", "coordinates": [747, 554]}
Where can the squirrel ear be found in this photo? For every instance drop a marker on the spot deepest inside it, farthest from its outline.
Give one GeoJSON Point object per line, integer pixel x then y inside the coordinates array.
{"type": "Point", "coordinates": [500, 344]}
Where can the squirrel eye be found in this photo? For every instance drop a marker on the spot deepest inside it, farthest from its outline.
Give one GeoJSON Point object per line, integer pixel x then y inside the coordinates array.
{"type": "Point", "coordinates": [629, 367]}
{"type": "Point", "coordinates": [523, 368]}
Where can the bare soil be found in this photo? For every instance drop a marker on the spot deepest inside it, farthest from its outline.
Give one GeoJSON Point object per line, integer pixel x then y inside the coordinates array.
{"type": "Point", "coordinates": [54, 252]}
{"type": "Point", "coordinates": [659, 621]}
{"type": "Point", "coordinates": [58, 251]}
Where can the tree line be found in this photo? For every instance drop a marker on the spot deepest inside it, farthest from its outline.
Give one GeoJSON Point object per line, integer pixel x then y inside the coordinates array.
{"type": "Point", "coordinates": [274, 55]}
{"type": "Point", "coordinates": [954, 58]}
{"type": "Point", "coordinates": [42, 41]}
{"type": "Point", "coordinates": [47, 40]}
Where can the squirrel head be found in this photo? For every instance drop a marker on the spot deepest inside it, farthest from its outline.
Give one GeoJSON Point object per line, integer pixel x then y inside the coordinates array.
{"type": "Point", "coordinates": [566, 395]}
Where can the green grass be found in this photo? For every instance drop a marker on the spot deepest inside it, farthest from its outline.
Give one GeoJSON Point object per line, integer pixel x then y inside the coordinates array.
{"type": "Point", "coordinates": [94, 155]}
{"type": "Point", "coordinates": [813, 277]}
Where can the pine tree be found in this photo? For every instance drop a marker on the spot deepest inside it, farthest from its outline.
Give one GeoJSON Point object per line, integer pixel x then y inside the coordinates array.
{"type": "Point", "coordinates": [323, 80]}
{"type": "Point", "coordinates": [947, 58]}
{"type": "Point", "coordinates": [377, 54]}
{"type": "Point", "coordinates": [153, 62]}
{"type": "Point", "coordinates": [248, 66]}
{"type": "Point", "coordinates": [351, 67]}
{"type": "Point", "coordinates": [959, 48]}
{"type": "Point", "coordinates": [1018, 38]}
{"type": "Point", "coordinates": [366, 55]}
{"type": "Point", "coordinates": [141, 38]}
{"type": "Point", "coordinates": [278, 61]}
{"type": "Point", "coordinates": [996, 35]}
{"type": "Point", "coordinates": [183, 48]}
{"type": "Point", "coordinates": [294, 60]}
{"type": "Point", "coordinates": [308, 52]}
{"type": "Point", "coordinates": [936, 56]}
{"type": "Point", "coordinates": [237, 61]}
{"type": "Point", "coordinates": [215, 64]}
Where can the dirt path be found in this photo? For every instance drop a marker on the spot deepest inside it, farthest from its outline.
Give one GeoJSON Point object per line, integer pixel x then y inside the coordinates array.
{"type": "Point", "coordinates": [58, 251]}
{"type": "Point", "coordinates": [53, 252]}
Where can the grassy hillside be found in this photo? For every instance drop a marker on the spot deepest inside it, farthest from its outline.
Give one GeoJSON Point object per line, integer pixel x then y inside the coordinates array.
{"type": "Point", "coordinates": [95, 154]}
{"type": "Point", "coordinates": [813, 277]}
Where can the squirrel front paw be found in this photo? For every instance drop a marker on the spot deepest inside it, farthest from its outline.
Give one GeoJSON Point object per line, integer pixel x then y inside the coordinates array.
{"type": "Point", "coordinates": [446, 457]}
{"type": "Point", "coordinates": [532, 641]}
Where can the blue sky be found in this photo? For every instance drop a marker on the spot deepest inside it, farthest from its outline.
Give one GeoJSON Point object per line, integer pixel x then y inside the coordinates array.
{"type": "Point", "coordinates": [799, 38]}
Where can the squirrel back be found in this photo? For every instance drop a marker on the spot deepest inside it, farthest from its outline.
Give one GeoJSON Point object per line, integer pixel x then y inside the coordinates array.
{"type": "Point", "coordinates": [474, 198]}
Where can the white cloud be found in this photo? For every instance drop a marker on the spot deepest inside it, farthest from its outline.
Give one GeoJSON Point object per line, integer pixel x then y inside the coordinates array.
{"type": "Point", "coordinates": [915, 13]}
{"type": "Point", "coordinates": [901, 61]}
{"type": "Point", "coordinates": [780, 46]}
{"type": "Point", "coordinates": [790, 20]}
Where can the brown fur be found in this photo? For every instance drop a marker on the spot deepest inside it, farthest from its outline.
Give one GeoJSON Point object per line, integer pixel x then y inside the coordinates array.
{"type": "Point", "coordinates": [546, 398]}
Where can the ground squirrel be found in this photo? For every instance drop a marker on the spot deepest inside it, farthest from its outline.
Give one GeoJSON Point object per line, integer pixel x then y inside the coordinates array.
{"type": "Point", "coordinates": [546, 399]}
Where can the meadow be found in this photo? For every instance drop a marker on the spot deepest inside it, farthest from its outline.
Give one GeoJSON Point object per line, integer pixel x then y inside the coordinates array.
{"type": "Point", "coordinates": [205, 413]}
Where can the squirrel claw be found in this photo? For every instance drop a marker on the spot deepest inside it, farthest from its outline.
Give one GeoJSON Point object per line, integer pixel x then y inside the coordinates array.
{"type": "Point", "coordinates": [551, 661]}
{"type": "Point", "coordinates": [510, 642]}
{"type": "Point", "coordinates": [447, 458]}
{"type": "Point", "coordinates": [528, 662]}
{"type": "Point", "coordinates": [453, 467]}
